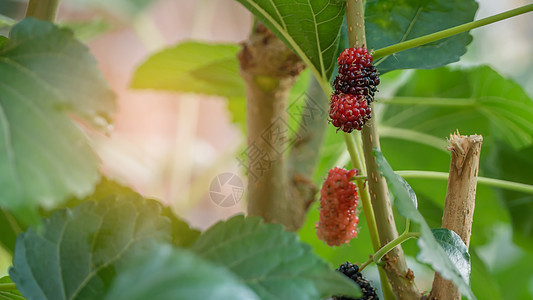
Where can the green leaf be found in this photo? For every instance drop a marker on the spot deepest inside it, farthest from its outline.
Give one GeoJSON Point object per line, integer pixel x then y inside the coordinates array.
{"type": "Point", "coordinates": [8, 294]}
{"type": "Point", "coordinates": [182, 234]}
{"type": "Point", "coordinates": [271, 261]}
{"type": "Point", "coordinates": [451, 262]}
{"type": "Point", "coordinates": [59, 67]}
{"type": "Point", "coordinates": [412, 195]}
{"type": "Point", "coordinates": [75, 253]}
{"type": "Point", "coordinates": [310, 28]}
{"type": "Point", "coordinates": [389, 23]}
{"type": "Point", "coordinates": [44, 156]}
{"type": "Point", "coordinates": [476, 100]}
{"type": "Point", "coordinates": [168, 273]}
{"type": "Point", "coordinates": [193, 67]}
{"type": "Point", "coordinates": [454, 247]}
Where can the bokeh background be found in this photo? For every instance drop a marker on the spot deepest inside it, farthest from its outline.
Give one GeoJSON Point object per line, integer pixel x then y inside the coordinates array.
{"type": "Point", "coordinates": [170, 146]}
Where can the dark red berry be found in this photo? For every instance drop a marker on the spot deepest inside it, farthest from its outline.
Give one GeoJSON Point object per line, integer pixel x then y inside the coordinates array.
{"type": "Point", "coordinates": [357, 75]}
{"type": "Point", "coordinates": [348, 112]}
{"type": "Point", "coordinates": [338, 202]}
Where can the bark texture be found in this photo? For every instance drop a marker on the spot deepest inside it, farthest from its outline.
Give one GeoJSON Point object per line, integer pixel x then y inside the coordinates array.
{"type": "Point", "coordinates": [460, 200]}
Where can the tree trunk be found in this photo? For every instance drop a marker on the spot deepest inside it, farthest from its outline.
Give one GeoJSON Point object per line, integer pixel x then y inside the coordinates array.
{"type": "Point", "coordinates": [269, 69]}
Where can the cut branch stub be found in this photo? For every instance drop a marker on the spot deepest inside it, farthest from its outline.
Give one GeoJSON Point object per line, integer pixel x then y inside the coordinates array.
{"type": "Point", "coordinates": [460, 200]}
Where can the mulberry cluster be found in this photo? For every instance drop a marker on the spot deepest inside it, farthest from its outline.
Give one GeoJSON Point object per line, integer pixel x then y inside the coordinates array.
{"type": "Point", "coordinates": [355, 87]}
{"type": "Point", "coordinates": [352, 272]}
{"type": "Point", "coordinates": [338, 202]}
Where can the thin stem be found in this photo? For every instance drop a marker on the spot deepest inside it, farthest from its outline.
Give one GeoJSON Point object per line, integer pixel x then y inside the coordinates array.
{"type": "Point", "coordinates": [413, 136]}
{"type": "Point", "coordinates": [43, 9]}
{"type": "Point", "coordinates": [359, 147]}
{"type": "Point", "coordinates": [387, 248]}
{"type": "Point", "coordinates": [427, 101]}
{"type": "Point", "coordinates": [8, 286]}
{"type": "Point", "coordinates": [360, 177]}
{"type": "Point", "coordinates": [504, 184]}
{"type": "Point", "coordinates": [366, 263]}
{"type": "Point", "coordinates": [363, 193]}
{"type": "Point", "coordinates": [355, 20]}
{"type": "Point", "coordinates": [449, 32]}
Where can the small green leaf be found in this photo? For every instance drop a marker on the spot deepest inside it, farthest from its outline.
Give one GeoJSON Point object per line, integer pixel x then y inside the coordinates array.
{"type": "Point", "coordinates": [310, 28]}
{"type": "Point", "coordinates": [8, 294]}
{"type": "Point", "coordinates": [167, 273]}
{"type": "Point", "coordinates": [454, 247]}
{"type": "Point", "coordinates": [476, 100]}
{"type": "Point", "coordinates": [75, 253]}
{"type": "Point", "coordinates": [452, 263]}
{"type": "Point", "coordinates": [194, 67]}
{"type": "Point", "coordinates": [271, 261]}
{"type": "Point", "coordinates": [44, 156]}
{"type": "Point", "coordinates": [389, 23]}
{"type": "Point", "coordinates": [412, 195]}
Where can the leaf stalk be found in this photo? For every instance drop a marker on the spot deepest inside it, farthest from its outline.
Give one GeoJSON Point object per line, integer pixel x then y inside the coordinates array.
{"type": "Point", "coordinates": [377, 257]}
{"type": "Point", "coordinates": [386, 51]}
{"type": "Point", "coordinates": [8, 287]}
{"type": "Point", "coordinates": [504, 184]}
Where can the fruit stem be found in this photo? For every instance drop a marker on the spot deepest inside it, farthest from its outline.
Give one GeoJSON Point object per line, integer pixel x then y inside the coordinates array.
{"type": "Point", "coordinates": [413, 136]}
{"type": "Point", "coordinates": [387, 248]}
{"type": "Point", "coordinates": [366, 263]}
{"type": "Point", "coordinates": [363, 193]}
{"type": "Point", "coordinates": [43, 9]}
{"type": "Point", "coordinates": [355, 20]}
{"type": "Point", "coordinates": [8, 286]}
{"type": "Point", "coordinates": [504, 184]}
{"type": "Point", "coordinates": [449, 32]}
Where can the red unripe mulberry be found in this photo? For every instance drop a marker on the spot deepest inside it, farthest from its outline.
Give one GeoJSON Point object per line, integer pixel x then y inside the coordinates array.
{"type": "Point", "coordinates": [348, 112]}
{"type": "Point", "coordinates": [338, 204]}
